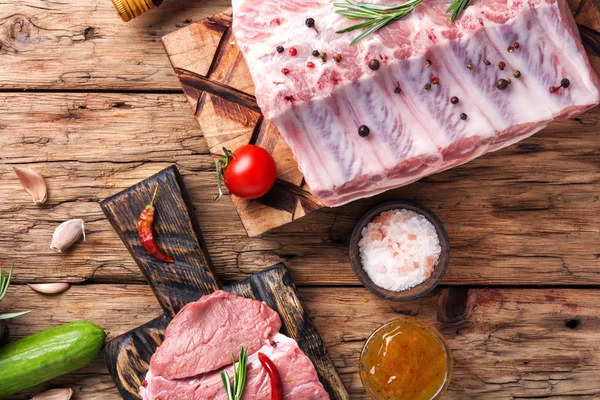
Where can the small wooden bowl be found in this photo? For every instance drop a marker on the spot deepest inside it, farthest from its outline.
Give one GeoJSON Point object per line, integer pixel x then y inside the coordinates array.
{"type": "Point", "coordinates": [416, 291]}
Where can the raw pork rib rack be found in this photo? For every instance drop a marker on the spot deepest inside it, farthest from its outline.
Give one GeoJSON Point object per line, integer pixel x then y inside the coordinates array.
{"type": "Point", "coordinates": [217, 83]}
{"type": "Point", "coordinates": [423, 61]}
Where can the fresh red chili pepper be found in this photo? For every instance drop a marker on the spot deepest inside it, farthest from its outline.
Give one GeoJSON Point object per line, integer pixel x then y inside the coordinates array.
{"type": "Point", "coordinates": [146, 233]}
{"type": "Point", "coordinates": [276, 384]}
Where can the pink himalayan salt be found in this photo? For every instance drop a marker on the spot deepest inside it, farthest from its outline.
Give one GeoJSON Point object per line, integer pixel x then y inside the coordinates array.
{"type": "Point", "coordinates": [399, 249]}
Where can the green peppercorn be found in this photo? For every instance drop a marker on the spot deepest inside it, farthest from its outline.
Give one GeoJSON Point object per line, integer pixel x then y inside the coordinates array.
{"type": "Point", "coordinates": [517, 74]}
{"type": "Point", "coordinates": [427, 86]}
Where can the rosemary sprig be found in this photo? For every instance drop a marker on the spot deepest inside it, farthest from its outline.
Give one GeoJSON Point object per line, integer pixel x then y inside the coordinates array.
{"type": "Point", "coordinates": [4, 283]}
{"type": "Point", "coordinates": [457, 7]}
{"type": "Point", "coordinates": [376, 16]}
{"type": "Point", "coordinates": [234, 391]}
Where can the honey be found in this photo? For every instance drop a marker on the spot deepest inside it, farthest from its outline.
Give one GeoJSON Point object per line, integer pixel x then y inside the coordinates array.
{"type": "Point", "coordinates": [406, 359]}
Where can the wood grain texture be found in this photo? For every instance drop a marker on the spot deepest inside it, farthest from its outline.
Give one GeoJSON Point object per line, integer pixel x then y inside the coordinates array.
{"type": "Point", "coordinates": [527, 214]}
{"type": "Point", "coordinates": [220, 92]}
{"type": "Point", "coordinates": [83, 44]}
{"type": "Point", "coordinates": [507, 343]}
{"type": "Point", "coordinates": [189, 278]}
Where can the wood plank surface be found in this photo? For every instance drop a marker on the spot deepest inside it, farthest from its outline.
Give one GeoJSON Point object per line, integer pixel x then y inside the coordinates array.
{"type": "Point", "coordinates": [84, 45]}
{"type": "Point", "coordinates": [507, 343]}
{"type": "Point", "coordinates": [512, 218]}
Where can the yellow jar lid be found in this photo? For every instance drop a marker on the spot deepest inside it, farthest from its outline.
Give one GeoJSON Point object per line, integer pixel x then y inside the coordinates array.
{"type": "Point", "coordinates": [129, 9]}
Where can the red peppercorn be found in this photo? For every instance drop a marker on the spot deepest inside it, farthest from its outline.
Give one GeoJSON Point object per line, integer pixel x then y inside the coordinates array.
{"type": "Point", "coordinates": [285, 71]}
{"type": "Point", "coordinates": [293, 51]}
{"type": "Point", "coordinates": [516, 45]}
{"type": "Point", "coordinates": [310, 64]}
{"type": "Point", "coordinates": [289, 98]}
{"type": "Point", "coordinates": [435, 80]}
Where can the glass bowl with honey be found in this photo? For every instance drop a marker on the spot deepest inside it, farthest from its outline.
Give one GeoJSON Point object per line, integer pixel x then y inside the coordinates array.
{"type": "Point", "coordinates": [406, 359]}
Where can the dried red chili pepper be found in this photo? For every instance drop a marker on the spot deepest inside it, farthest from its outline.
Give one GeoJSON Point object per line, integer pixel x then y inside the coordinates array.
{"type": "Point", "coordinates": [276, 384]}
{"type": "Point", "coordinates": [146, 233]}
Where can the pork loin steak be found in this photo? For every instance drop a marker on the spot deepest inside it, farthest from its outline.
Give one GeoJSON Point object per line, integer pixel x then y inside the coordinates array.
{"type": "Point", "coordinates": [204, 334]}
{"type": "Point", "coordinates": [319, 103]}
{"type": "Point", "coordinates": [300, 381]}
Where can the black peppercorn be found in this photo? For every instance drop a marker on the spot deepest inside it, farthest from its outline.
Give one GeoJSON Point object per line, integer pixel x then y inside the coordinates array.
{"type": "Point", "coordinates": [565, 83]}
{"type": "Point", "coordinates": [470, 65]}
{"type": "Point", "coordinates": [463, 116]}
{"type": "Point", "coordinates": [280, 49]}
{"type": "Point", "coordinates": [427, 86]}
{"type": "Point", "coordinates": [517, 73]}
{"type": "Point", "coordinates": [454, 100]}
{"type": "Point", "coordinates": [502, 84]}
{"type": "Point", "coordinates": [363, 131]}
{"type": "Point", "coordinates": [486, 61]}
{"type": "Point", "coordinates": [316, 53]}
{"type": "Point", "coordinates": [310, 22]}
{"type": "Point", "coordinates": [428, 63]}
{"type": "Point", "coordinates": [397, 90]}
{"type": "Point", "coordinates": [374, 64]}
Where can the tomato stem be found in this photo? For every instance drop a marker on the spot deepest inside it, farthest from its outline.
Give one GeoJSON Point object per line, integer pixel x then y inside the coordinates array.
{"type": "Point", "coordinates": [221, 164]}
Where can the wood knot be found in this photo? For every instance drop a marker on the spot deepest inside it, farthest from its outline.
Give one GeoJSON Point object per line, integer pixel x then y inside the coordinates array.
{"type": "Point", "coordinates": [573, 323]}
{"type": "Point", "coordinates": [452, 305]}
{"type": "Point", "coordinates": [89, 33]}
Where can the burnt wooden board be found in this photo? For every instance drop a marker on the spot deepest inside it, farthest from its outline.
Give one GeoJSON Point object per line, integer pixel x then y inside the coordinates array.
{"type": "Point", "coordinates": [190, 277]}
{"type": "Point", "coordinates": [218, 86]}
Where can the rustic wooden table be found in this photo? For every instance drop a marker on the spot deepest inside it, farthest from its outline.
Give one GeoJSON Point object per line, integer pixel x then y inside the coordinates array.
{"type": "Point", "coordinates": [94, 105]}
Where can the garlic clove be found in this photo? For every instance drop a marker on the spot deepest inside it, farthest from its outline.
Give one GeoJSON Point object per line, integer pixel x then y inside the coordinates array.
{"type": "Point", "coordinates": [33, 183]}
{"type": "Point", "coordinates": [66, 234]}
{"type": "Point", "coordinates": [54, 394]}
{"type": "Point", "coordinates": [49, 288]}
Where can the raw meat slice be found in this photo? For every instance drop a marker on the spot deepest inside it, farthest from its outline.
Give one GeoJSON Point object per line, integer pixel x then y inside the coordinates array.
{"type": "Point", "coordinates": [204, 334]}
{"type": "Point", "coordinates": [416, 132]}
{"type": "Point", "coordinates": [300, 381]}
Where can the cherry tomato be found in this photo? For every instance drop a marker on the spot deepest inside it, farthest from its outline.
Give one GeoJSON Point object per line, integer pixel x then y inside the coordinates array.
{"type": "Point", "coordinates": [249, 172]}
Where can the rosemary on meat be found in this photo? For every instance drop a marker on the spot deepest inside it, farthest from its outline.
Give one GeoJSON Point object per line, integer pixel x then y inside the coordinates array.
{"type": "Point", "coordinates": [376, 16]}
{"type": "Point", "coordinates": [457, 7]}
{"type": "Point", "coordinates": [235, 390]}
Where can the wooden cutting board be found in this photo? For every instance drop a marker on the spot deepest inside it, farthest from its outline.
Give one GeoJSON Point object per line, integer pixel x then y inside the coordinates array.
{"type": "Point", "coordinates": [218, 85]}
{"type": "Point", "coordinates": [190, 277]}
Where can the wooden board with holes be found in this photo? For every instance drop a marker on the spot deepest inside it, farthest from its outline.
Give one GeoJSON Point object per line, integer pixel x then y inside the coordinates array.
{"type": "Point", "coordinates": [218, 85]}
{"type": "Point", "coordinates": [190, 277]}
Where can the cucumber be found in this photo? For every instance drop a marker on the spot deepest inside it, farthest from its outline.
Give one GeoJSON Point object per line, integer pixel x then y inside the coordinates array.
{"type": "Point", "coordinates": [48, 354]}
